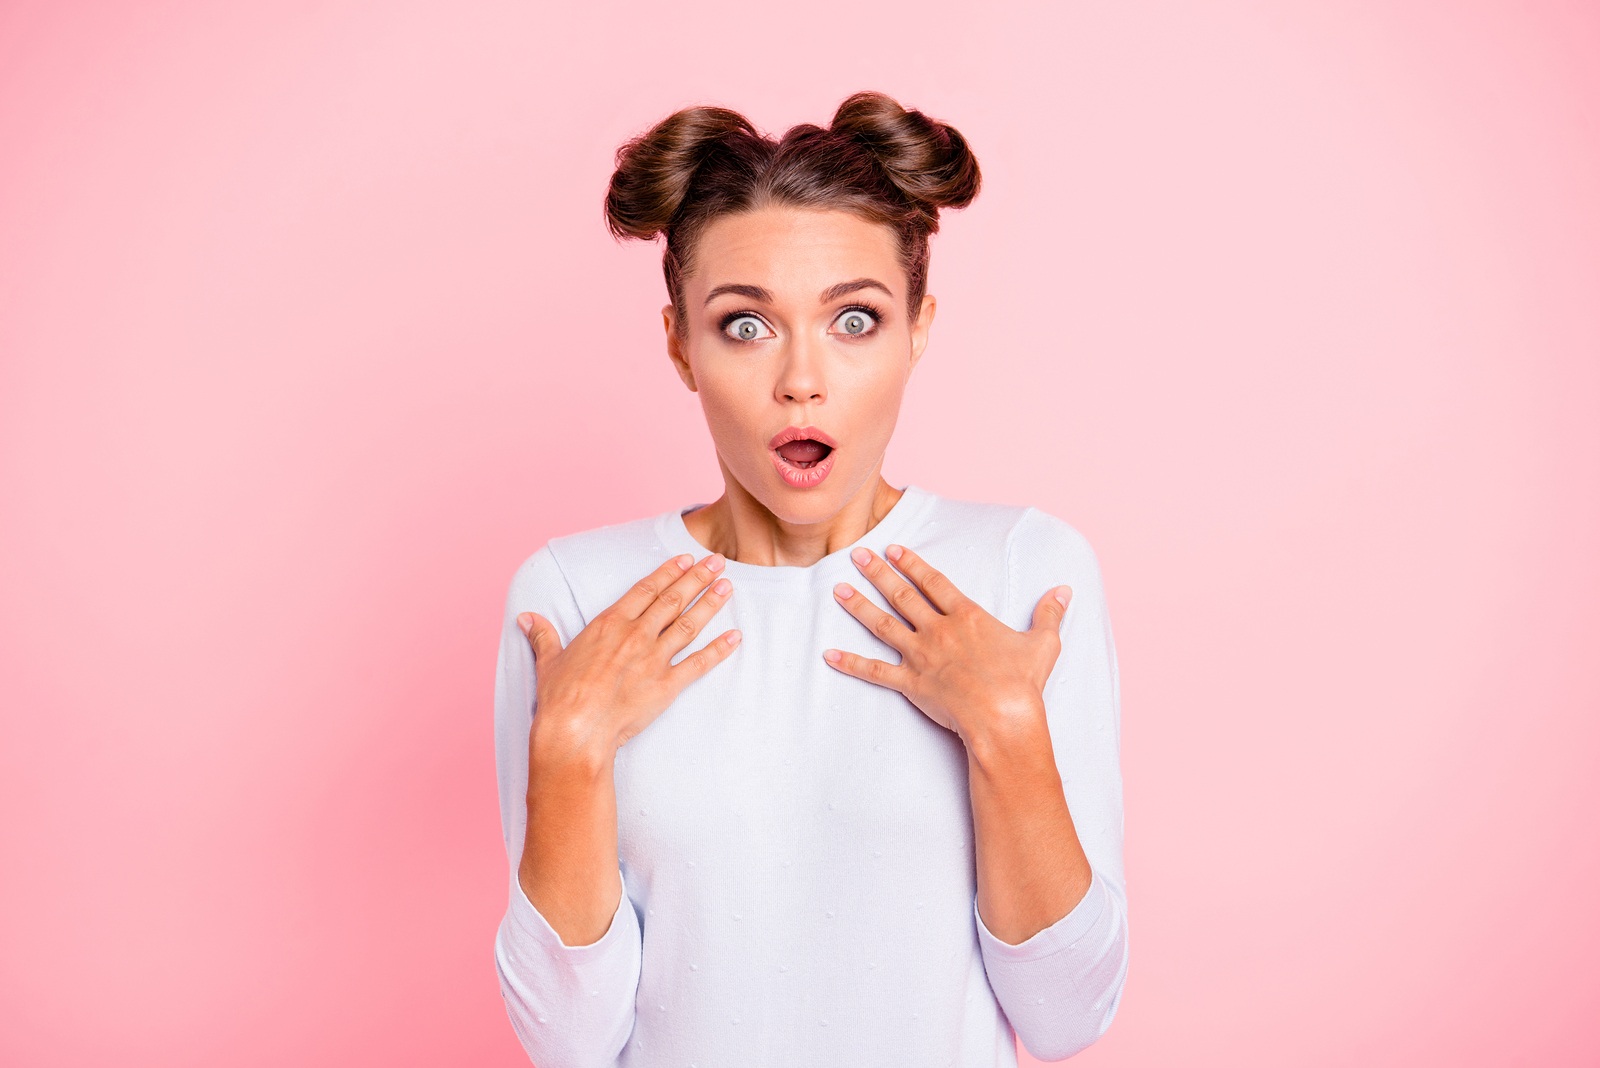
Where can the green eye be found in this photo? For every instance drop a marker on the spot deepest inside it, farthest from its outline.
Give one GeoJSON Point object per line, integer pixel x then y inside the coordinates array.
{"type": "Point", "coordinates": [856, 321]}
{"type": "Point", "coordinates": [744, 328]}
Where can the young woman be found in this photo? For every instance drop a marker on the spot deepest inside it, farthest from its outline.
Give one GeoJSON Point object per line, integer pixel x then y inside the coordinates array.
{"type": "Point", "coordinates": [755, 853]}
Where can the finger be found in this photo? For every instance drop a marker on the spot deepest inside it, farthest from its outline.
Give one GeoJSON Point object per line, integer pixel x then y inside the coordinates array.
{"type": "Point", "coordinates": [542, 636]}
{"type": "Point", "coordinates": [934, 584]}
{"type": "Point", "coordinates": [703, 659]}
{"type": "Point", "coordinates": [889, 629]}
{"type": "Point", "coordinates": [902, 596]}
{"type": "Point", "coordinates": [1052, 609]}
{"type": "Point", "coordinates": [670, 602]}
{"type": "Point", "coordinates": [681, 631]}
{"type": "Point", "coordinates": [878, 672]}
{"type": "Point", "coordinates": [642, 594]}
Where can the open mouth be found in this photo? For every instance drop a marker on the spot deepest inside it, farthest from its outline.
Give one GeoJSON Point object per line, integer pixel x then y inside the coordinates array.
{"type": "Point", "coordinates": [803, 464]}
{"type": "Point", "coordinates": [803, 453]}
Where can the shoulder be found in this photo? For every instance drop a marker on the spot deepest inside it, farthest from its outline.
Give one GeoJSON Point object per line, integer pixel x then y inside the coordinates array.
{"type": "Point", "coordinates": [1028, 532]}
{"type": "Point", "coordinates": [1046, 550]}
{"type": "Point", "coordinates": [597, 554]}
{"type": "Point", "coordinates": [970, 519]}
{"type": "Point", "coordinates": [585, 550]}
{"type": "Point", "coordinates": [584, 568]}
{"type": "Point", "coordinates": [1041, 533]}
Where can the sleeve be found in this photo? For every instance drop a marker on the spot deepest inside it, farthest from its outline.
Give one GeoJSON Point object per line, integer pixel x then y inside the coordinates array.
{"type": "Point", "coordinates": [570, 1006]}
{"type": "Point", "coordinates": [1061, 987]}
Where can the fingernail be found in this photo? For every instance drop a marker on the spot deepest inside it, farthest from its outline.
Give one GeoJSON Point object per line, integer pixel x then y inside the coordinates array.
{"type": "Point", "coordinates": [1061, 595]}
{"type": "Point", "coordinates": [525, 621]}
{"type": "Point", "coordinates": [684, 562]}
{"type": "Point", "coordinates": [831, 656]}
{"type": "Point", "coordinates": [861, 556]}
{"type": "Point", "coordinates": [894, 552]}
{"type": "Point", "coordinates": [716, 562]}
{"type": "Point", "coordinates": [843, 589]}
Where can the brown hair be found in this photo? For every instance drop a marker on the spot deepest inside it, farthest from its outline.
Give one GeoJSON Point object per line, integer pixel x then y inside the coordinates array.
{"type": "Point", "coordinates": [888, 164]}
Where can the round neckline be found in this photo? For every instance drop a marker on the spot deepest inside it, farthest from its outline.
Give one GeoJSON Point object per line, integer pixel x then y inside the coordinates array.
{"type": "Point", "coordinates": [888, 526]}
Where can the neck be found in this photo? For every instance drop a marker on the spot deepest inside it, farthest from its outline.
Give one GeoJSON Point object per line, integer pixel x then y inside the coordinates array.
{"type": "Point", "coordinates": [742, 528]}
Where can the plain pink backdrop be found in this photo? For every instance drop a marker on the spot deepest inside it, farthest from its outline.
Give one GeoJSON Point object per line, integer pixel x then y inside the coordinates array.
{"type": "Point", "coordinates": [310, 333]}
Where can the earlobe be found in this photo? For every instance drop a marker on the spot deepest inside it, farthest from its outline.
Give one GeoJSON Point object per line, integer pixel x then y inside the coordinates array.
{"type": "Point", "coordinates": [675, 350]}
{"type": "Point", "coordinates": [919, 330]}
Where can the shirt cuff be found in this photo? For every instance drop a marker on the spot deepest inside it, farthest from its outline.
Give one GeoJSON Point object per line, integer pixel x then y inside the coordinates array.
{"type": "Point", "coordinates": [530, 925]}
{"type": "Point", "coordinates": [1063, 934]}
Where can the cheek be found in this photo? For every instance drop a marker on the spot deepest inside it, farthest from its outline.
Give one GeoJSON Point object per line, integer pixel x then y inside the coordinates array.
{"type": "Point", "coordinates": [880, 405]}
{"type": "Point", "coordinates": [730, 407]}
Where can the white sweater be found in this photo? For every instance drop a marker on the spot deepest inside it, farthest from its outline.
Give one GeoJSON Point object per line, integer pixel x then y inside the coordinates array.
{"type": "Point", "coordinates": [796, 844]}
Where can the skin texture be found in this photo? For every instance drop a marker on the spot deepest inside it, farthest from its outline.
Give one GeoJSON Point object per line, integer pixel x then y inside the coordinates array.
{"type": "Point", "coordinates": [964, 669]}
{"type": "Point", "coordinates": [804, 369]}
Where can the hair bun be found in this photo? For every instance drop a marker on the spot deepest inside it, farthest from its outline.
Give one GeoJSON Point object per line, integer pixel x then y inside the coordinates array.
{"type": "Point", "coordinates": [928, 160]}
{"type": "Point", "coordinates": [655, 169]}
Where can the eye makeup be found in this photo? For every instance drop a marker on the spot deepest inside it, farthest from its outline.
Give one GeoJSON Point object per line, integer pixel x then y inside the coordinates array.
{"type": "Point", "coordinates": [746, 313]}
{"type": "Point", "coordinates": [876, 313]}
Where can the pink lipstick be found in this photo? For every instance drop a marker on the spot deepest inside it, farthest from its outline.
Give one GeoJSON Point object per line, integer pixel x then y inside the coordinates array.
{"type": "Point", "coordinates": [803, 455]}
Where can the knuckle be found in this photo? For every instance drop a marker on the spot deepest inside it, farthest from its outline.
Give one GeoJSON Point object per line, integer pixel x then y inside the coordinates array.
{"type": "Point", "coordinates": [685, 625]}
{"type": "Point", "coordinates": [671, 596]}
{"type": "Point", "coordinates": [883, 626]}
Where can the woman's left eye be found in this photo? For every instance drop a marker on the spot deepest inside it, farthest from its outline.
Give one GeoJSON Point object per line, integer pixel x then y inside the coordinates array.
{"type": "Point", "coordinates": [857, 321]}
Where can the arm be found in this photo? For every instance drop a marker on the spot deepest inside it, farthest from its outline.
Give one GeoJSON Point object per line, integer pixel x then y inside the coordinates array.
{"type": "Point", "coordinates": [570, 994]}
{"type": "Point", "coordinates": [1047, 815]}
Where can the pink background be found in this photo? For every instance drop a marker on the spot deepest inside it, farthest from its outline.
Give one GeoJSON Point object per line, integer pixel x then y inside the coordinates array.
{"type": "Point", "coordinates": [310, 333]}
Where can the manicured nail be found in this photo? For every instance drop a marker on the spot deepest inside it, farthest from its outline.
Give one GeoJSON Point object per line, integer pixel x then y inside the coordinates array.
{"type": "Point", "coordinates": [1063, 594]}
{"type": "Point", "coordinates": [843, 590]}
{"type": "Point", "coordinates": [894, 552]}
{"type": "Point", "coordinates": [861, 556]}
{"type": "Point", "coordinates": [832, 656]}
{"type": "Point", "coordinates": [684, 562]}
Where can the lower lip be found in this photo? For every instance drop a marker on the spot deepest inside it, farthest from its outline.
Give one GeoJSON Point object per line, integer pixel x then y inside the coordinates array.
{"type": "Point", "coordinates": [803, 477]}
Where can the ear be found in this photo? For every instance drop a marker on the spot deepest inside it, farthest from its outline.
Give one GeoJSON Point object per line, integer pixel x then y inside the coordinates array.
{"type": "Point", "coordinates": [680, 362]}
{"type": "Point", "coordinates": [919, 329]}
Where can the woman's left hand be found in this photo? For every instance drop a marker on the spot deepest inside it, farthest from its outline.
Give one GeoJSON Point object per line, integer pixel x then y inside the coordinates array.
{"type": "Point", "coordinates": [966, 670]}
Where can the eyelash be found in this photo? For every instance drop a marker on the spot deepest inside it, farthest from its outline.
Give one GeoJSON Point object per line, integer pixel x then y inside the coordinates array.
{"type": "Point", "coordinates": [876, 313]}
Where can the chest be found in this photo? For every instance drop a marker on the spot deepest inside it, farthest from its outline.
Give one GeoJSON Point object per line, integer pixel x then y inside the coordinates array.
{"type": "Point", "coordinates": [776, 764]}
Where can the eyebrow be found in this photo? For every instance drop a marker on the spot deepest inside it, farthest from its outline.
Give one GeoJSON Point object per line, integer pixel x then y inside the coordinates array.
{"type": "Point", "coordinates": [833, 292]}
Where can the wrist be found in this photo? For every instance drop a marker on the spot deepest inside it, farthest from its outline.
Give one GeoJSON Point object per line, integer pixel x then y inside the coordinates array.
{"type": "Point", "coordinates": [1007, 739]}
{"type": "Point", "coordinates": [564, 744]}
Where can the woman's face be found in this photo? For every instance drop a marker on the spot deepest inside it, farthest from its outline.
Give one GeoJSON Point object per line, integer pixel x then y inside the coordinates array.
{"type": "Point", "coordinates": [797, 317]}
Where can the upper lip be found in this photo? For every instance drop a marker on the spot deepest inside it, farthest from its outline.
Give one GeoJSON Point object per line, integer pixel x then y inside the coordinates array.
{"type": "Point", "coordinates": [796, 433]}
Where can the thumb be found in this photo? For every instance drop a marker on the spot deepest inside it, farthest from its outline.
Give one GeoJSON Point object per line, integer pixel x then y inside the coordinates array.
{"type": "Point", "coordinates": [1052, 609]}
{"type": "Point", "coordinates": [535, 627]}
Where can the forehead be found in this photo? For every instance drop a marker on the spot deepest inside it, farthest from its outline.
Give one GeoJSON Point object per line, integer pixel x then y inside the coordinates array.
{"type": "Point", "coordinates": [793, 250]}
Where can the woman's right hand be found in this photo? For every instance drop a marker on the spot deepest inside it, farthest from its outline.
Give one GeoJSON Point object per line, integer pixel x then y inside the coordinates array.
{"type": "Point", "coordinates": [616, 675]}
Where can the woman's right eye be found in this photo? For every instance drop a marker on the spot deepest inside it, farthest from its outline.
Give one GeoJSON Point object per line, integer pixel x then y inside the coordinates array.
{"type": "Point", "coordinates": [745, 328]}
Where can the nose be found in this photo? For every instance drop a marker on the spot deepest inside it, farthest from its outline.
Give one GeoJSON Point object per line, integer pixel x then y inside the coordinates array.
{"type": "Point", "coordinates": [800, 372]}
